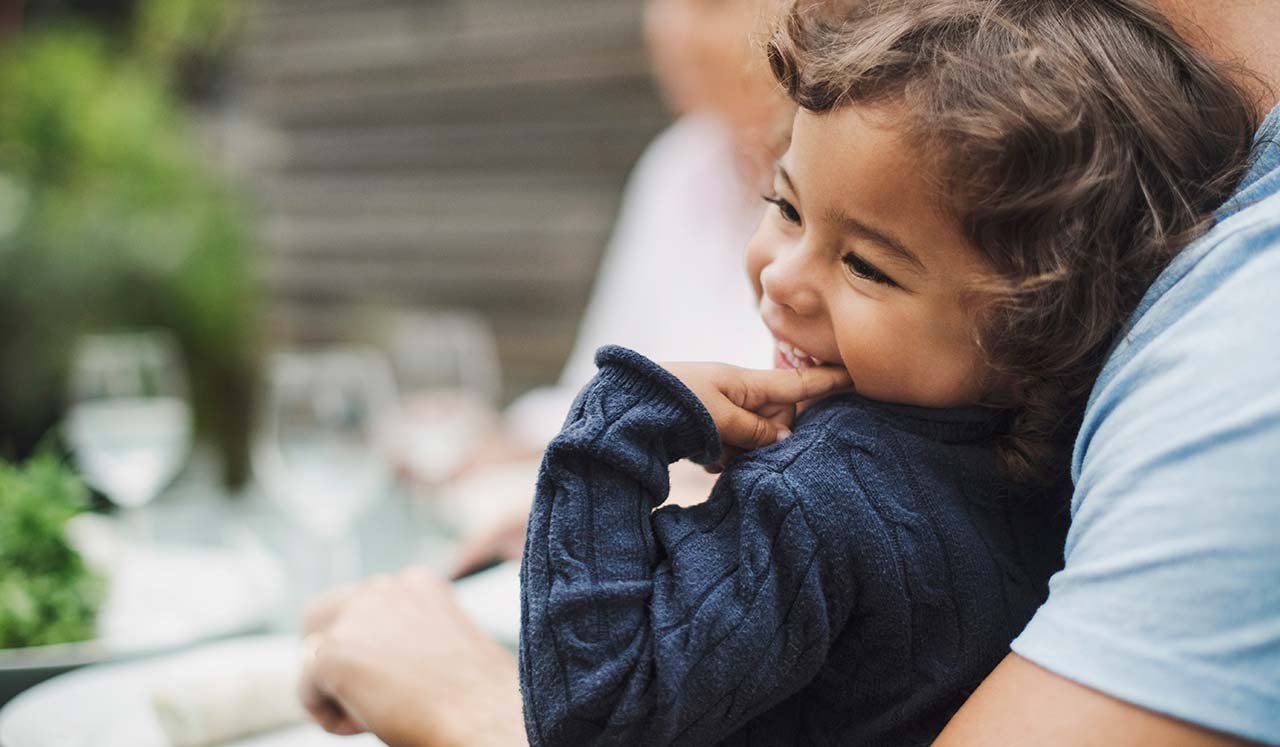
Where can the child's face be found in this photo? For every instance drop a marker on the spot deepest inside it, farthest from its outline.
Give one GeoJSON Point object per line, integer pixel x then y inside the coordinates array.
{"type": "Point", "coordinates": [857, 266]}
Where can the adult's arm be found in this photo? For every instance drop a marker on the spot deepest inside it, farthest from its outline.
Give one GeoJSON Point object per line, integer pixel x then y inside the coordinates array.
{"type": "Point", "coordinates": [1163, 628]}
{"type": "Point", "coordinates": [1023, 703]}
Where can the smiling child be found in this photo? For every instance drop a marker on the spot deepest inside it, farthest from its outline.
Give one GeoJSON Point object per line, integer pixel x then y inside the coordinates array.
{"type": "Point", "coordinates": [975, 196]}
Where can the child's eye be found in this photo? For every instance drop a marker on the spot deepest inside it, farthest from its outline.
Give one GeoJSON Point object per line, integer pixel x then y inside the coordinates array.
{"type": "Point", "coordinates": [789, 213]}
{"type": "Point", "coordinates": [867, 271]}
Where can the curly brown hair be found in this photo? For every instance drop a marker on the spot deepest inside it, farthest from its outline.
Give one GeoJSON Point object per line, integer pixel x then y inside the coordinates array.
{"type": "Point", "coordinates": [1080, 144]}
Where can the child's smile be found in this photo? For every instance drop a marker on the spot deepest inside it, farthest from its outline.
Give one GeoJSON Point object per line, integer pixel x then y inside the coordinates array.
{"type": "Point", "coordinates": [858, 265]}
{"type": "Point", "coordinates": [789, 356]}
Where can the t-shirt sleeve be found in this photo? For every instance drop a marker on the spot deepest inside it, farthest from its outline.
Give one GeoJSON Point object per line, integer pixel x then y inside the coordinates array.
{"type": "Point", "coordinates": [1170, 596]}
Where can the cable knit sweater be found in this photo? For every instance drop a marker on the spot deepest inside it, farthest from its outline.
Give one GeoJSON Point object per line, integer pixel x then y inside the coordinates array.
{"type": "Point", "coordinates": [850, 585]}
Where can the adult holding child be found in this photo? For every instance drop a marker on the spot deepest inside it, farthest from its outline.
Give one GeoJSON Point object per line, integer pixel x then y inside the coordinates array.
{"type": "Point", "coordinates": [1164, 626]}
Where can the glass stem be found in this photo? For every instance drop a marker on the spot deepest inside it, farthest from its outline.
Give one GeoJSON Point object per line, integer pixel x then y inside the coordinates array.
{"type": "Point", "coordinates": [344, 559]}
{"type": "Point", "coordinates": [138, 525]}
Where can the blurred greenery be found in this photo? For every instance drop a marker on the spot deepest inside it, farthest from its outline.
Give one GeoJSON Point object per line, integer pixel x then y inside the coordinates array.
{"type": "Point", "coordinates": [110, 217]}
{"type": "Point", "coordinates": [173, 28]}
{"type": "Point", "coordinates": [47, 593]}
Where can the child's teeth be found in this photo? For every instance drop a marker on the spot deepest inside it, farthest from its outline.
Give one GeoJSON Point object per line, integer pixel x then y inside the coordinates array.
{"type": "Point", "coordinates": [797, 357]}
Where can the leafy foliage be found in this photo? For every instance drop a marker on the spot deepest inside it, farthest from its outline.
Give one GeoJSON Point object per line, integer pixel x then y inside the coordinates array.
{"type": "Point", "coordinates": [110, 217]}
{"type": "Point", "coordinates": [170, 29]}
{"type": "Point", "coordinates": [47, 594]}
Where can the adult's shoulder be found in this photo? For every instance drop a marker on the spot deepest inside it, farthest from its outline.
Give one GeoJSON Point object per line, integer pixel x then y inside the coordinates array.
{"type": "Point", "coordinates": [1168, 599]}
{"type": "Point", "coordinates": [1198, 360]}
{"type": "Point", "coordinates": [1207, 314]}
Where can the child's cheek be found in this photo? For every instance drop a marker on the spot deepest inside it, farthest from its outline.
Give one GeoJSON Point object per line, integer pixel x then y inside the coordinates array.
{"type": "Point", "coordinates": [884, 360]}
{"type": "Point", "coordinates": [758, 256]}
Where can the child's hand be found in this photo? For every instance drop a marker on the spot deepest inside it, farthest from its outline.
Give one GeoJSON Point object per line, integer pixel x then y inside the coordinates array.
{"type": "Point", "coordinates": [754, 408]}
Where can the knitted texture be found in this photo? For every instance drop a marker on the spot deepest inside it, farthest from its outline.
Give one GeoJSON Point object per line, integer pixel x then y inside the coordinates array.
{"type": "Point", "coordinates": [850, 585]}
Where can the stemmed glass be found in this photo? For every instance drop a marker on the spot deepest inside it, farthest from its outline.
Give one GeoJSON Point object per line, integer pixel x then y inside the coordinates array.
{"type": "Point", "coordinates": [446, 365]}
{"type": "Point", "coordinates": [316, 449]}
{"type": "Point", "coordinates": [128, 421]}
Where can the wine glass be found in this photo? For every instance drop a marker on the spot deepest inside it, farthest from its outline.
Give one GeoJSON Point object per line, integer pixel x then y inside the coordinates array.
{"type": "Point", "coordinates": [128, 421]}
{"type": "Point", "coordinates": [316, 452]}
{"type": "Point", "coordinates": [446, 365]}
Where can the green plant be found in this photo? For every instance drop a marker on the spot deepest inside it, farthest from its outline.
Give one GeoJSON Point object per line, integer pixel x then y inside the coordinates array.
{"type": "Point", "coordinates": [168, 30]}
{"type": "Point", "coordinates": [47, 594]}
{"type": "Point", "coordinates": [110, 217]}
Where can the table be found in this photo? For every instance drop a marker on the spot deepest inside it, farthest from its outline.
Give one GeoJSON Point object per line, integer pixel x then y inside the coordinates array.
{"type": "Point", "coordinates": [197, 512]}
{"type": "Point", "coordinates": [397, 531]}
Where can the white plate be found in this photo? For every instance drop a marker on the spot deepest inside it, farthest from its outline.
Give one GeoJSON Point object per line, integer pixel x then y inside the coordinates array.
{"type": "Point", "coordinates": [110, 706]}
{"type": "Point", "coordinates": [160, 597]}
{"type": "Point", "coordinates": [492, 599]}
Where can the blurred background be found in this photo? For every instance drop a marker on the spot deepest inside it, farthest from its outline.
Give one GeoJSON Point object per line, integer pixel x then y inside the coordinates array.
{"type": "Point", "coordinates": [442, 153]}
{"type": "Point", "coordinates": [270, 270]}
{"type": "Point", "coordinates": [294, 292]}
{"type": "Point", "coordinates": [251, 172]}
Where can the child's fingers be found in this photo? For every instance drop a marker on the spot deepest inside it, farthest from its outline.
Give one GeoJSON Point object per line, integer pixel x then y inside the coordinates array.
{"type": "Point", "coordinates": [727, 454]}
{"type": "Point", "coordinates": [746, 430]}
{"type": "Point", "coordinates": [794, 385]}
{"type": "Point", "coordinates": [781, 413]}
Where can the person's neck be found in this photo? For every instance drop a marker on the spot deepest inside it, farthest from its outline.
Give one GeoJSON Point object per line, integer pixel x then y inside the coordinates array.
{"type": "Point", "coordinates": [1241, 33]}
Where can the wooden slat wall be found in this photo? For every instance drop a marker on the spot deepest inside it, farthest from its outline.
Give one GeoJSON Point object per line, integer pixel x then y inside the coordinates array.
{"type": "Point", "coordinates": [435, 153]}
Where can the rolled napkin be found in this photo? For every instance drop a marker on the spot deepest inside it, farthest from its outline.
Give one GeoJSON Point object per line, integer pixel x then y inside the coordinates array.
{"type": "Point", "coordinates": [236, 700]}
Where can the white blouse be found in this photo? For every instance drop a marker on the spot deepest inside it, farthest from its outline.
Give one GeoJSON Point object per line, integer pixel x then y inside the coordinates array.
{"type": "Point", "coordinates": [673, 282]}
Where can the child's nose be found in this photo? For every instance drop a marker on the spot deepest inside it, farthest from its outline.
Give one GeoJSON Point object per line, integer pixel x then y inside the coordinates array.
{"type": "Point", "coordinates": [789, 281]}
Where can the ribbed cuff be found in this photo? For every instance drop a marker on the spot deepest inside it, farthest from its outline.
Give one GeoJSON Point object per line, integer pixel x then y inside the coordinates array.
{"type": "Point", "coordinates": [695, 436]}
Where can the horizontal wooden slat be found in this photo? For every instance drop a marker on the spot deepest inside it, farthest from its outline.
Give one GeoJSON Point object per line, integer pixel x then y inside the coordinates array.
{"type": "Point", "coordinates": [562, 97]}
{"type": "Point", "coordinates": [308, 26]}
{"type": "Point", "coordinates": [443, 153]}
{"type": "Point", "coordinates": [580, 147]}
{"type": "Point", "coordinates": [454, 197]}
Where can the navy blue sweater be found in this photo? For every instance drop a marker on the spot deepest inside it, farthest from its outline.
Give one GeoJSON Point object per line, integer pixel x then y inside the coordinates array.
{"type": "Point", "coordinates": [850, 585]}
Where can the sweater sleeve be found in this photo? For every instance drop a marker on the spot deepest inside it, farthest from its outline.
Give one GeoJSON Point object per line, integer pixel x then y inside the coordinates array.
{"type": "Point", "coordinates": [675, 626]}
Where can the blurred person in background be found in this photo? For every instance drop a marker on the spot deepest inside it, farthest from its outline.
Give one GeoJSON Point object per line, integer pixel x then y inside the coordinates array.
{"type": "Point", "coordinates": [692, 202]}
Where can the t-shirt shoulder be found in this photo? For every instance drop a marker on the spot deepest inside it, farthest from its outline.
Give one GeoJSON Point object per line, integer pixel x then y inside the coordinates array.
{"type": "Point", "coordinates": [1168, 598]}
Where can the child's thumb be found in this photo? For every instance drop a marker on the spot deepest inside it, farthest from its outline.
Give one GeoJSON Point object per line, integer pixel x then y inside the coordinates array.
{"type": "Point", "coordinates": [746, 430]}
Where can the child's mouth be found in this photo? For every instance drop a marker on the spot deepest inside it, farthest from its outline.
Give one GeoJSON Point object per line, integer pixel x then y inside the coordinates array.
{"type": "Point", "coordinates": [788, 356]}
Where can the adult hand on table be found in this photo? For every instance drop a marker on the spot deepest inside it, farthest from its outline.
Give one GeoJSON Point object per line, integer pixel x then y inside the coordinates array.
{"type": "Point", "coordinates": [500, 541]}
{"type": "Point", "coordinates": [396, 656]}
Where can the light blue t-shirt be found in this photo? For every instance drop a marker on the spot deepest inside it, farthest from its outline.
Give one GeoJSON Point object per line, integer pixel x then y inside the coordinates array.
{"type": "Point", "coordinates": [1170, 598]}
